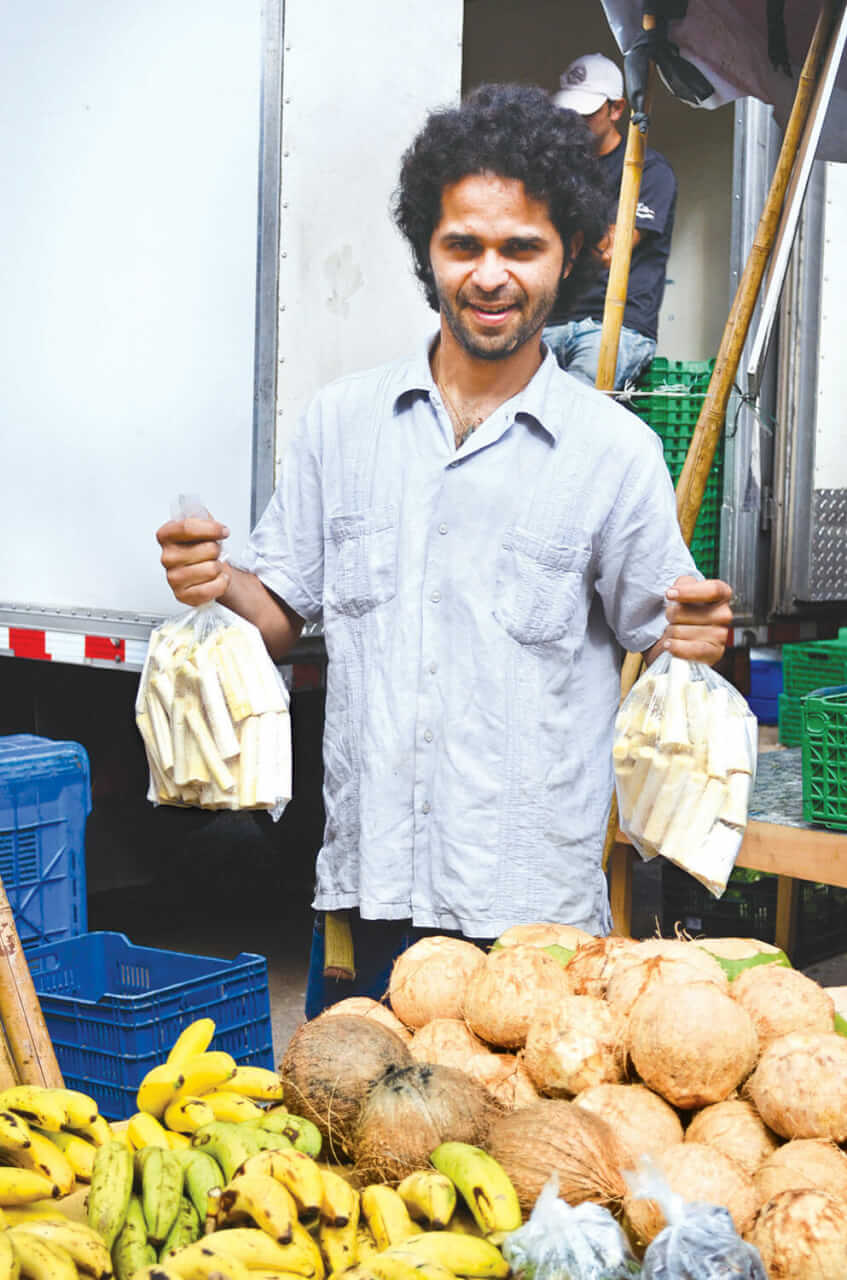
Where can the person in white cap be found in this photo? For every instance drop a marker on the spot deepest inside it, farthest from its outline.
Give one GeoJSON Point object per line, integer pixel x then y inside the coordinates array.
{"type": "Point", "coordinates": [593, 87]}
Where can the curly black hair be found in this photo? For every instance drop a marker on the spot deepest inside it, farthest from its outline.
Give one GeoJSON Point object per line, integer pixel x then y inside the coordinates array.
{"type": "Point", "coordinates": [512, 131]}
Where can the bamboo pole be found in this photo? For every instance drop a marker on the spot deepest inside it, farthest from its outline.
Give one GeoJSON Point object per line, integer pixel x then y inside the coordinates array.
{"type": "Point", "coordinates": [26, 1031]}
{"type": "Point", "coordinates": [691, 485]}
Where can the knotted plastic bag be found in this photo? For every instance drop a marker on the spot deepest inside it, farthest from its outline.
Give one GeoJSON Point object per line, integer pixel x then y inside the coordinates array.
{"type": "Point", "coordinates": [685, 759]}
{"type": "Point", "coordinates": [563, 1242]}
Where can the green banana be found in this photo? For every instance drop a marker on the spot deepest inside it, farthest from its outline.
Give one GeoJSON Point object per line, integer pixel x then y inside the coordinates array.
{"type": "Point", "coordinates": [301, 1133]}
{"type": "Point", "coordinates": [131, 1251]}
{"type": "Point", "coordinates": [110, 1190]}
{"type": "Point", "coordinates": [185, 1230]}
{"type": "Point", "coordinates": [483, 1184]}
{"type": "Point", "coordinates": [264, 1139]}
{"type": "Point", "coordinates": [201, 1173]}
{"type": "Point", "coordinates": [429, 1196]}
{"type": "Point", "coordinates": [161, 1192]}
{"type": "Point", "coordinates": [227, 1144]}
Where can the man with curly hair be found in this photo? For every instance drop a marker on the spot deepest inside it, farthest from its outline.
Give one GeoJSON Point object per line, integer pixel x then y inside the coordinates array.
{"type": "Point", "coordinates": [480, 535]}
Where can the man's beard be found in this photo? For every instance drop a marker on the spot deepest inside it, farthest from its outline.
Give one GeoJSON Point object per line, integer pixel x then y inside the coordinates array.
{"type": "Point", "coordinates": [497, 346]}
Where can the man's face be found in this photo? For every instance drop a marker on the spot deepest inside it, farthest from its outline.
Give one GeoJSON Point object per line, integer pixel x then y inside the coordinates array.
{"type": "Point", "coordinates": [497, 260]}
{"type": "Point", "coordinates": [603, 125]}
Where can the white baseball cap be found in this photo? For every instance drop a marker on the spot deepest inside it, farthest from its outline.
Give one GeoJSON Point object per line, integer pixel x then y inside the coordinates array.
{"type": "Point", "coordinates": [588, 82]}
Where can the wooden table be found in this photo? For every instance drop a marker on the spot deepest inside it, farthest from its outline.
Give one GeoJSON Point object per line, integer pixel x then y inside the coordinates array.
{"type": "Point", "coordinates": [777, 840]}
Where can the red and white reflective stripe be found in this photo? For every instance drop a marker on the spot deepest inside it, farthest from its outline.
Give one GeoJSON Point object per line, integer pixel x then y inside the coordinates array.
{"type": "Point", "coordinates": [71, 646]}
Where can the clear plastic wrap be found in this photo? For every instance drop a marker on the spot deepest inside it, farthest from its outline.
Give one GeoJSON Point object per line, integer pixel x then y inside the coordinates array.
{"type": "Point", "coordinates": [685, 759]}
{"type": "Point", "coordinates": [562, 1242]}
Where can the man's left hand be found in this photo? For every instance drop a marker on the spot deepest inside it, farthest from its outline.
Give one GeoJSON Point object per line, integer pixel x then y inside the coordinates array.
{"type": "Point", "coordinates": [699, 618]}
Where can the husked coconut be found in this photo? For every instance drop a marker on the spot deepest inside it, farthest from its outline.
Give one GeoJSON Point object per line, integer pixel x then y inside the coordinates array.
{"type": "Point", "coordinates": [803, 1164]}
{"type": "Point", "coordinates": [802, 1235]}
{"type": "Point", "coordinates": [642, 1121]}
{"type": "Point", "coordinates": [544, 934]}
{"type": "Point", "coordinates": [503, 994]}
{"type": "Point", "coordinates": [693, 1045]}
{"type": "Point", "coordinates": [633, 975]}
{"type": "Point", "coordinates": [505, 1077]}
{"type": "Point", "coordinates": [782, 1000]}
{"type": "Point", "coordinates": [447, 1041]}
{"type": "Point", "coordinates": [699, 1174]}
{"type": "Point", "coordinates": [681, 949]}
{"type": "Point", "coordinates": [734, 955]}
{"type": "Point", "coordinates": [364, 1007]}
{"type": "Point", "coordinates": [429, 979]}
{"type": "Point", "coordinates": [576, 1043]}
{"type": "Point", "coordinates": [592, 964]}
{"type": "Point", "coordinates": [799, 1087]}
{"type": "Point", "coordinates": [735, 1128]}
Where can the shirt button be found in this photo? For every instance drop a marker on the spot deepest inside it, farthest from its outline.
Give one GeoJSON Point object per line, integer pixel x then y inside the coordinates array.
{"type": "Point", "coordinates": [426, 806]}
{"type": "Point", "coordinates": [435, 597]}
{"type": "Point", "coordinates": [428, 736]}
{"type": "Point", "coordinates": [433, 667]}
{"type": "Point", "coordinates": [442, 528]}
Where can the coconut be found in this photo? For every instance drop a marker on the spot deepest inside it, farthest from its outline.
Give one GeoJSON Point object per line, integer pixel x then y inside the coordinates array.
{"type": "Point", "coordinates": [734, 955]}
{"type": "Point", "coordinates": [680, 950]}
{"type": "Point", "coordinates": [364, 1007]}
{"type": "Point", "coordinates": [449, 1042]}
{"type": "Point", "coordinates": [800, 1164]}
{"type": "Point", "coordinates": [735, 1128]}
{"type": "Point", "coordinates": [642, 1121]}
{"type": "Point", "coordinates": [505, 1077]}
{"type": "Point", "coordinates": [558, 1137]}
{"type": "Point", "coordinates": [573, 1045]}
{"type": "Point", "coordinates": [632, 976]}
{"type": "Point", "coordinates": [502, 995]}
{"type": "Point", "coordinates": [562, 938]}
{"type": "Point", "coordinates": [699, 1174]}
{"type": "Point", "coordinates": [328, 1068]}
{"type": "Point", "coordinates": [592, 963]}
{"type": "Point", "coordinates": [428, 980]}
{"type": "Point", "coordinates": [782, 1000]}
{"type": "Point", "coordinates": [693, 1045]}
{"type": "Point", "coordinates": [412, 1110]}
{"type": "Point", "coordinates": [802, 1235]}
{"type": "Point", "coordinates": [799, 1087]}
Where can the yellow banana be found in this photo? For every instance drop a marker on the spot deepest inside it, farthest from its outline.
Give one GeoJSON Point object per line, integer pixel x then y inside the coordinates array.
{"type": "Point", "coordinates": [188, 1114]}
{"type": "Point", "coordinates": [110, 1191]}
{"type": "Point", "coordinates": [424, 1270]}
{"type": "Point", "coordinates": [257, 1083]}
{"type": "Point", "coordinates": [429, 1196]}
{"type": "Point", "coordinates": [84, 1245]}
{"type": "Point", "coordinates": [365, 1243]}
{"type": "Point", "coordinates": [339, 1201]}
{"type": "Point", "coordinates": [78, 1151]}
{"type": "Point", "coordinates": [43, 1156]}
{"type": "Point", "coordinates": [340, 1245]}
{"type": "Point", "coordinates": [463, 1255]}
{"type": "Point", "coordinates": [483, 1184]}
{"type": "Point", "coordinates": [205, 1259]}
{"type": "Point", "coordinates": [159, 1088]}
{"type": "Point", "coordinates": [231, 1108]}
{"type": "Point", "coordinates": [144, 1130]}
{"type": "Point", "coordinates": [386, 1215]}
{"type": "Point", "coordinates": [383, 1266]}
{"type": "Point", "coordinates": [99, 1132]}
{"type": "Point", "coordinates": [19, 1214]}
{"type": "Point", "coordinates": [24, 1186]}
{"type": "Point", "coordinates": [296, 1171]}
{"type": "Point", "coordinates": [36, 1105]}
{"type": "Point", "coordinates": [262, 1198]}
{"type": "Point", "coordinates": [39, 1260]}
{"type": "Point", "coordinates": [10, 1268]}
{"type": "Point", "coordinates": [14, 1131]}
{"type": "Point", "coordinates": [206, 1071]}
{"type": "Point", "coordinates": [179, 1141]}
{"type": "Point", "coordinates": [254, 1249]}
{"type": "Point", "coordinates": [195, 1039]}
{"type": "Point", "coordinates": [80, 1110]}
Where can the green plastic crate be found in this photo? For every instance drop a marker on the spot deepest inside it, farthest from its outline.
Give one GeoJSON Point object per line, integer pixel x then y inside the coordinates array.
{"type": "Point", "coordinates": [825, 757]}
{"type": "Point", "coordinates": [790, 719]}
{"type": "Point", "coordinates": [815, 664]}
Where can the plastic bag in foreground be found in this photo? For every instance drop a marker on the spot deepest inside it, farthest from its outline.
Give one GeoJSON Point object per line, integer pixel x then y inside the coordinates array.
{"type": "Point", "coordinates": [562, 1242]}
{"type": "Point", "coordinates": [685, 759]}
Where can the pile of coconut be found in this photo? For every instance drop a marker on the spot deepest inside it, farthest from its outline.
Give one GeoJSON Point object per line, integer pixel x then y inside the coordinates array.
{"type": "Point", "coordinates": [558, 1051]}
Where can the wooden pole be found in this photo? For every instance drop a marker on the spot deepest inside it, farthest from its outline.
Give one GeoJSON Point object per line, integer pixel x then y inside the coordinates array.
{"type": "Point", "coordinates": [29, 1042]}
{"type": "Point", "coordinates": [691, 485]}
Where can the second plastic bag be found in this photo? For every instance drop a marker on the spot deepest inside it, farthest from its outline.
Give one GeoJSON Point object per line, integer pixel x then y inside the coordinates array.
{"type": "Point", "coordinates": [565, 1242]}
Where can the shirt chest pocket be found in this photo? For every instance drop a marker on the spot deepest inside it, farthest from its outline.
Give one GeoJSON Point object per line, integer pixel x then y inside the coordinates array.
{"type": "Point", "coordinates": [366, 560]}
{"type": "Point", "coordinates": [539, 585]}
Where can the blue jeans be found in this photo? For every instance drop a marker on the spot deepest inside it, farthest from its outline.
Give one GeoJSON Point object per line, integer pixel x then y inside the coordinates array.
{"type": "Point", "coordinates": [576, 346]}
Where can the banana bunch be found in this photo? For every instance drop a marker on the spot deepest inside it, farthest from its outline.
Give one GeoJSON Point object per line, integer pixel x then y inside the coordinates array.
{"type": "Point", "coordinates": [49, 1140]}
{"type": "Point", "coordinates": [51, 1247]}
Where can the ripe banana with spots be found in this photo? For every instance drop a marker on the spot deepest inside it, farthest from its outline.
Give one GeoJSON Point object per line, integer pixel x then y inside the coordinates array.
{"type": "Point", "coordinates": [262, 1198]}
{"type": "Point", "coordinates": [99, 1132]}
{"type": "Point", "coordinates": [386, 1215]}
{"type": "Point", "coordinates": [44, 1157]}
{"type": "Point", "coordinates": [14, 1131]}
{"type": "Point", "coordinates": [257, 1083]}
{"type": "Point", "coordinates": [80, 1110]}
{"type": "Point", "coordinates": [297, 1172]}
{"type": "Point", "coordinates": [463, 1255]}
{"type": "Point", "coordinates": [23, 1186]}
{"type": "Point", "coordinates": [232, 1108]}
{"type": "Point", "coordinates": [483, 1184]}
{"type": "Point", "coordinates": [195, 1039]}
{"type": "Point", "coordinates": [159, 1088]}
{"type": "Point", "coordinates": [188, 1113]}
{"type": "Point", "coordinates": [339, 1201]}
{"type": "Point", "coordinates": [186, 1228]}
{"type": "Point", "coordinates": [84, 1245]}
{"type": "Point", "coordinates": [10, 1268]}
{"type": "Point", "coordinates": [206, 1071]}
{"type": "Point", "coordinates": [424, 1270]}
{"type": "Point", "coordinates": [110, 1190]}
{"type": "Point", "coordinates": [429, 1196]}
{"type": "Point", "coordinates": [79, 1152]}
{"type": "Point", "coordinates": [161, 1191]}
{"type": "Point", "coordinates": [39, 1260]}
{"type": "Point", "coordinates": [37, 1106]}
{"type": "Point", "coordinates": [383, 1267]}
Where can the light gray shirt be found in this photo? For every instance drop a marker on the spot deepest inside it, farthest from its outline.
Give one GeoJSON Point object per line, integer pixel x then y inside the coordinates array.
{"type": "Point", "coordinates": [474, 605]}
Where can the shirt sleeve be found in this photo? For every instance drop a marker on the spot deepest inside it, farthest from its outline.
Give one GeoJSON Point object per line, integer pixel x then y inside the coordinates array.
{"type": "Point", "coordinates": [641, 551]}
{"type": "Point", "coordinates": [657, 196]}
{"type": "Point", "coordinates": [286, 548]}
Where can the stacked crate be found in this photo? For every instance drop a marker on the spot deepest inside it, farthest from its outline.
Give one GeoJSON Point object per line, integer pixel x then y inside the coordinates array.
{"type": "Point", "coordinates": [814, 664]}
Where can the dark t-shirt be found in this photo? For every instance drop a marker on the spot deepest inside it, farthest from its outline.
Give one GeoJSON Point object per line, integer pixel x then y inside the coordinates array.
{"type": "Point", "coordinates": [654, 219]}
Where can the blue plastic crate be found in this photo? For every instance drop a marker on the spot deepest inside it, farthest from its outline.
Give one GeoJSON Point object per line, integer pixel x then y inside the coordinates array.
{"type": "Point", "coordinates": [45, 799]}
{"type": "Point", "coordinates": [113, 1010]}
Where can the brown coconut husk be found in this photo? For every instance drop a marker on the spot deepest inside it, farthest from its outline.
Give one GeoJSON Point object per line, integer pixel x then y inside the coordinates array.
{"type": "Point", "coordinates": [802, 1235]}
{"type": "Point", "coordinates": [364, 1007]}
{"type": "Point", "coordinates": [429, 979]}
{"type": "Point", "coordinates": [591, 965]}
{"type": "Point", "coordinates": [699, 1174]}
{"type": "Point", "coordinates": [574, 1044]}
{"type": "Point", "coordinates": [642, 1121]}
{"type": "Point", "coordinates": [693, 1045]}
{"type": "Point", "coordinates": [505, 1077]}
{"type": "Point", "coordinates": [781, 1001]}
{"type": "Point", "coordinates": [735, 1128]}
{"type": "Point", "coordinates": [329, 1067]}
{"type": "Point", "coordinates": [502, 995]}
{"type": "Point", "coordinates": [634, 974]}
{"type": "Point", "coordinates": [803, 1164]}
{"type": "Point", "coordinates": [412, 1110]}
{"type": "Point", "coordinates": [448, 1042]}
{"type": "Point", "coordinates": [799, 1087]}
{"type": "Point", "coordinates": [558, 1137]}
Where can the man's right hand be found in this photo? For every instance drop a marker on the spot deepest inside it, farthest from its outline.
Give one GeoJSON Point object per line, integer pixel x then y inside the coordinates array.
{"type": "Point", "coordinates": [191, 556]}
